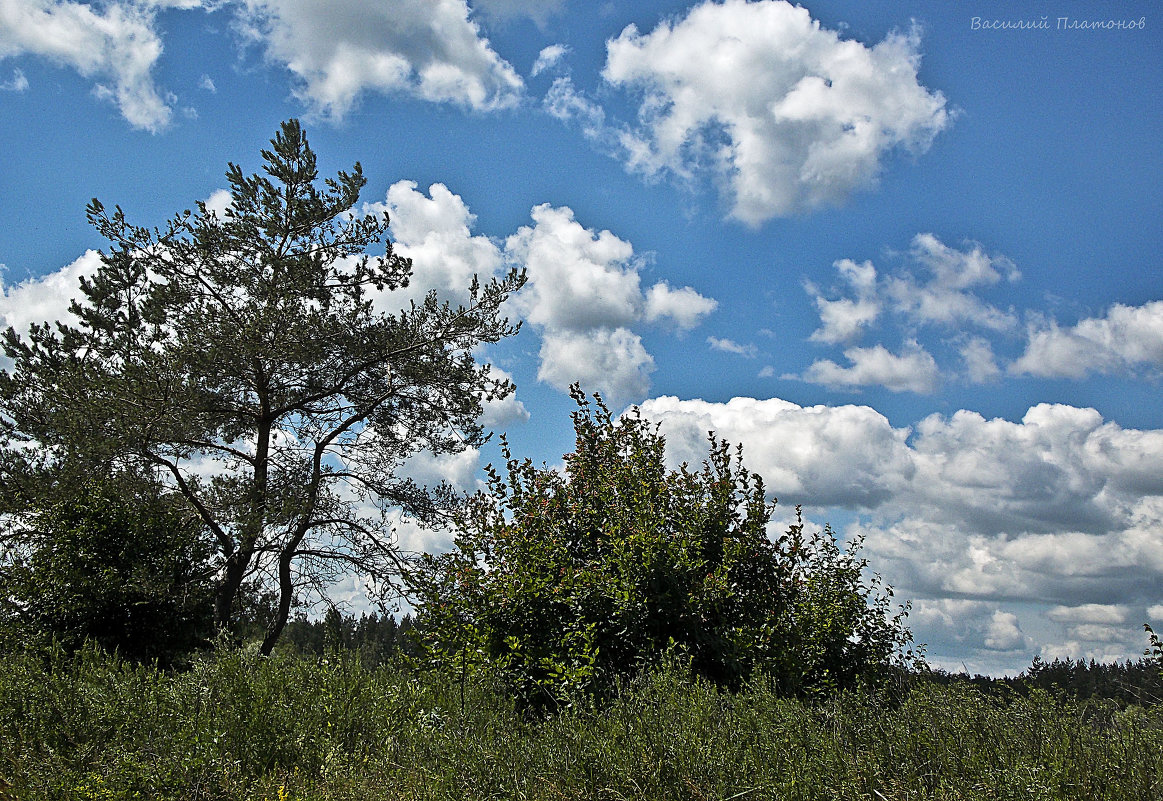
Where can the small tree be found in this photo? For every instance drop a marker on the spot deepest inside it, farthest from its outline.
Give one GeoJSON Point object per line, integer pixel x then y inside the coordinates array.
{"type": "Point", "coordinates": [249, 361]}
{"type": "Point", "coordinates": [567, 580]}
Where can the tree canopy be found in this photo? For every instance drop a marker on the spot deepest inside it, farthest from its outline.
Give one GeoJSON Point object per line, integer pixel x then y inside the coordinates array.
{"type": "Point", "coordinates": [566, 580]}
{"type": "Point", "coordinates": [252, 364]}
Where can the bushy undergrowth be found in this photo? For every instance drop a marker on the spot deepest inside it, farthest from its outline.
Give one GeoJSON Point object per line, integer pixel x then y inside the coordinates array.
{"type": "Point", "coordinates": [242, 727]}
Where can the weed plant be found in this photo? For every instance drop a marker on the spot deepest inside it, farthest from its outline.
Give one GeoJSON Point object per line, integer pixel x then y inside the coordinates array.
{"type": "Point", "coordinates": [284, 728]}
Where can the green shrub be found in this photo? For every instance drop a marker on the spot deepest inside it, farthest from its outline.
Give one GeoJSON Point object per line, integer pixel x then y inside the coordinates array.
{"type": "Point", "coordinates": [565, 582]}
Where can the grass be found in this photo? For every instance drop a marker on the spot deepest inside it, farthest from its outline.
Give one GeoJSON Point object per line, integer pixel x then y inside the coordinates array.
{"type": "Point", "coordinates": [289, 729]}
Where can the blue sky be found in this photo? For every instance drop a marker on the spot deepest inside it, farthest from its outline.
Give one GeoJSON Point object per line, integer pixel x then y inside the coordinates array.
{"type": "Point", "coordinates": [905, 252]}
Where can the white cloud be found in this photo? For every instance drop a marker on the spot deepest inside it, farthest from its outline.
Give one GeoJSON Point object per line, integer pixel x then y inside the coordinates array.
{"type": "Point", "coordinates": [1049, 528]}
{"type": "Point", "coordinates": [783, 112]}
{"type": "Point", "coordinates": [730, 346]}
{"type": "Point", "coordinates": [937, 287]}
{"type": "Point", "coordinates": [1122, 340]}
{"type": "Point", "coordinates": [547, 58]}
{"type": "Point", "coordinates": [685, 307]}
{"type": "Point", "coordinates": [564, 102]}
{"type": "Point", "coordinates": [612, 361]}
{"type": "Point", "coordinates": [47, 298]}
{"type": "Point", "coordinates": [207, 83]}
{"type": "Point", "coordinates": [1004, 633]}
{"type": "Point", "coordinates": [430, 49]}
{"type": "Point", "coordinates": [820, 456]}
{"type": "Point", "coordinates": [980, 365]}
{"type": "Point", "coordinates": [115, 44]}
{"type": "Point", "coordinates": [844, 319]}
{"type": "Point", "coordinates": [912, 370]}
{"type": "Point", "coordinates": [584, 294]}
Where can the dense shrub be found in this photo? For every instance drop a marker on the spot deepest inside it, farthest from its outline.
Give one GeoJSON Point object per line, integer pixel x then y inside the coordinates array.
{"type": "Point", "coordinates": [567, 581]}
{"type": "Point", "coordinates": [111, 562]}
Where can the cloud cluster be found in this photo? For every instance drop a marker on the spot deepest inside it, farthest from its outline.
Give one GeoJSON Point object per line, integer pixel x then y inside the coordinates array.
{"type": "Point", "coordinates": [1027, 520]}
{"type": "Point", "coordinates": [785, 114]}
{"type": "Point", "coordinates": [430, 49]}
{"type": "Point", "coordinates": [1120, 341]}
{"type": "Point", "coordinates": [115, 44]}
{"type": "Point", "coordinates": [584, 295]}
{"type": "Point", "coordinates": [940, 289]}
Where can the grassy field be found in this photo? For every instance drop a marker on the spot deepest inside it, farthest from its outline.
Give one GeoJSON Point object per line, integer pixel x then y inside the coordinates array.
{"type": "Point", "coordinates": [240, 727]}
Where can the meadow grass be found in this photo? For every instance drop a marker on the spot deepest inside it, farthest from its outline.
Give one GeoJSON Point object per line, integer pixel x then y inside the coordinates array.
{"type": "Point", "coordinates": [285, 728]}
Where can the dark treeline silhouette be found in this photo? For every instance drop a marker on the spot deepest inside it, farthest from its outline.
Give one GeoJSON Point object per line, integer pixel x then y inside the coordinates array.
{"type": "Point", "coordinates": [377, 639]}
{"type": "Point", "coordinates": [1125, 683]}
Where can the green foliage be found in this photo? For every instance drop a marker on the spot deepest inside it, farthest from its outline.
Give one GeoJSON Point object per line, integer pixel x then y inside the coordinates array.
{"type": "Point", "coordinates": [566, 582]}
{"type": "Point", "coordinates": [115, 564]}
{"type": "Point", "coordinates": [241, 727]}
{"type": "Point", "coordinates": [252, 361]}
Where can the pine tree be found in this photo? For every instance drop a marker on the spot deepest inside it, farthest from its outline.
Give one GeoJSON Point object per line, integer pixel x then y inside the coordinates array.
{"type": "Point", "coordinates": [247, 362]}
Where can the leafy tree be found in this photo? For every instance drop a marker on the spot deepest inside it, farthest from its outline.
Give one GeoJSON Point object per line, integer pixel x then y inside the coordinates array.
{"type": "Point", "coordinates": [118, 565]}
{"type": "Point", "coordinates": [567, 580]}
{"type": "Point", "coordinates": [248, 360]}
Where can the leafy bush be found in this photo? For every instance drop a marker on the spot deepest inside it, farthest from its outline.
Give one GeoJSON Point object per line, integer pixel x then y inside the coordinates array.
{"type": "Point", "coordinates": [568, 581]}
{"type": "Point", "coordinates": [110, 562]}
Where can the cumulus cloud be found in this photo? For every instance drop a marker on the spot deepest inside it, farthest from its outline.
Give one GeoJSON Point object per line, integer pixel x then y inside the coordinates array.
{"type": "Point", "coordinates": [430, 49]}
{"type": "Point", "coordinates": [844, 319]}
{"type": "Point", "coordinates": [1051, 523]}
{"type": "Point", "coordinates": [46, 298]}
{"type": "Point", "coordinates": [847, 456]}
{"type": "Point", "coordinates": [114, 44]}
{"type": "Point", "coordinates": [684, 307]}
{"type": "Point", "coordinates": [937, 285]}
{"type": "Point", "coordinates": [1121, 341]}
{"type": "Point", "coordinates": [613, 361]}
{"type": "Point", "coordinates": [584, 294]}
{"type": "Point", "coordinates": [785, 114]}
{"type": "Point", "coordinates": [911, 370]}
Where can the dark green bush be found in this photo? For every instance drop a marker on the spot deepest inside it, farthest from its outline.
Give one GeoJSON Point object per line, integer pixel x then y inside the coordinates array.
{"type": "Point", "coordinates": [111, 562]}
{"type": "Point", "coordinates": [565, 582]}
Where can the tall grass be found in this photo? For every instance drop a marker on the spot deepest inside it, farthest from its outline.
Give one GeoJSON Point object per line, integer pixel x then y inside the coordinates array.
{"type": "Point", "coordinates": [237, 726]}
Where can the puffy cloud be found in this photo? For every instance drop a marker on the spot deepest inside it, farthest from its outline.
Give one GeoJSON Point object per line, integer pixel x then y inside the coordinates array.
{"type": "Point", "coordinates": [434, 230]}
{"type": "Point", "coordinates": [980, 365]}
{"type": "Point", "coordinates": [912, 370]}
{"type": "Point", "coordinates": [820, 456]}
{"type": "Point", "coordinates": [613, 361]}
{"type": "Point", "coordinates": [945, 297]}
{"type": "Point", "coordinates": [786, 114]}
{"type": "Point", "coordinates": [115, 44]}
{"type": "Point", "coordinates": [1047, 529]}
{"type": "Point", "coordinates": [937, 286]}
{"type": "Point", "coordinates": [1122, 340]}
{"type": "Point", "coordinates": [844, 319]}
{"type": "Point", "coordinates": [47, 298]}
{"type": "Point", "coordinates": [426, 48]}
{"type": "Point", "coordinates": [685, 307]}
{"type": "Point", "coordinates": [584, 293]}
{"type": "Point", "coordinates": [564, 102]}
